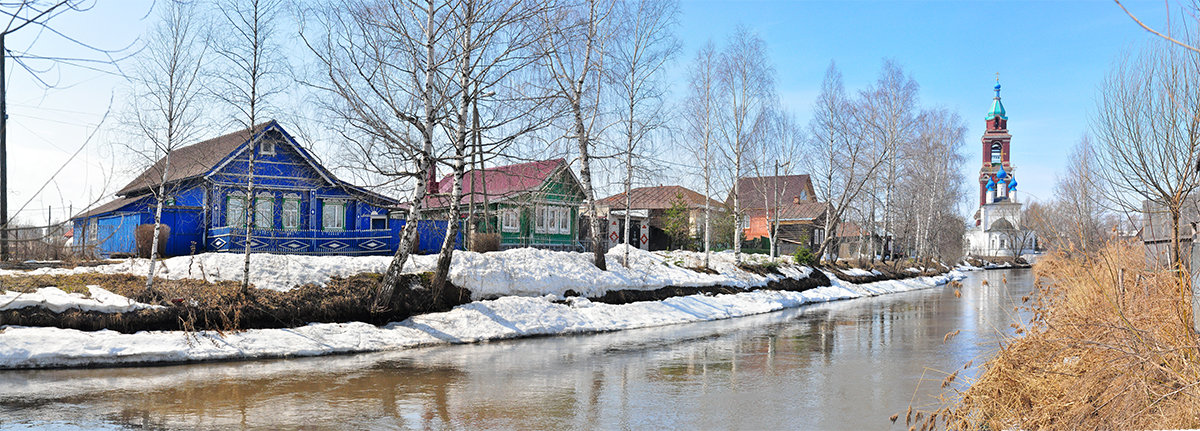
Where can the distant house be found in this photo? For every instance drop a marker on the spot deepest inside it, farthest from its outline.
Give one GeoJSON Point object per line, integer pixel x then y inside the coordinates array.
{"type": "Point", "coordinates": [298, 206]}
{"type": "Point", "coordinates": [853, 242]}
{"type": "Point", "coordinates": [791, 199]}
{"type": "Point", "coordinates": [648, 206]}
{"type": "Point", "coordinates": [533, 204]}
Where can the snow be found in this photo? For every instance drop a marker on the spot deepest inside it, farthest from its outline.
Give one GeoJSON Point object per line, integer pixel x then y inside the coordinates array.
{"type": "Point", "coordinates": [58, 301]}
{"type": "Point", "coordinates": [521, 271]}
{"type": "Point", "coordinates": [502, 318]}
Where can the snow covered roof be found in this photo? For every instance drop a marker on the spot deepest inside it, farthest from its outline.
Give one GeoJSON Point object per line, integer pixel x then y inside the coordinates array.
{"type": "Point", "coordinates": [661, 197]}
{"type": "Point", "coordinates": [499, 182]}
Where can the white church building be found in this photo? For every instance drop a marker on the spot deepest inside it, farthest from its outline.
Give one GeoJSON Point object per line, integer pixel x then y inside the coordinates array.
{"type": "Point", "coordinates": [998, 230]}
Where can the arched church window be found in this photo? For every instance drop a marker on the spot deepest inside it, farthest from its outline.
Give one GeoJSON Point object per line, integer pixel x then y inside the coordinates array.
{"type": "Point", "coordinates": [996, 148]}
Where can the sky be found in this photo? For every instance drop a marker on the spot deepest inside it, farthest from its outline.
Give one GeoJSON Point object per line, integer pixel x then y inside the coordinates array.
{"type": "Point", "coordinates": [1051, 58]}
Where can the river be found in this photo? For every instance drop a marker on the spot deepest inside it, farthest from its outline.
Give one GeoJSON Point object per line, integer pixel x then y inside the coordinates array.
{"type": "Point", "coordinates": [841, 365]}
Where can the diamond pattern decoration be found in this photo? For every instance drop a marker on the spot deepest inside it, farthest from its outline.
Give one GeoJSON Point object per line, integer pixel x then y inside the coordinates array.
{"type": "Point", "coordinates": [334, 245]}
{"type": "Point", "coordinates": [293, 245]}
{"type": "Point", "coordinates": [217, 243]}
{"type": "Point", "coordinates": [254, 243]}
{"type": "Point", "coordinates": [371, 244]}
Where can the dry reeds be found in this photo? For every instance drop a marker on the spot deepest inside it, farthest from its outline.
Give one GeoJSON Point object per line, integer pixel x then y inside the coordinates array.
{"type": "Point", "coordinates": [1110, 346]}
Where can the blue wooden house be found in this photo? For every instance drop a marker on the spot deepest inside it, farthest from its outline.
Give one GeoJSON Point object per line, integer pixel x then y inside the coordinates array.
{"type": "Point", "coordinates": [298, 206]}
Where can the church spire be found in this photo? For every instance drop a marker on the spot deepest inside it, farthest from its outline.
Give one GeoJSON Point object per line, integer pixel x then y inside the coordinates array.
{"type": "Point", "coordinates": [997, 107]}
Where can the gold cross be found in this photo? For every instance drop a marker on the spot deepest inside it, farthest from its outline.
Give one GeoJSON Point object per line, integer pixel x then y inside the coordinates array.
{"type": "Point", "coordinates": [997, 77]}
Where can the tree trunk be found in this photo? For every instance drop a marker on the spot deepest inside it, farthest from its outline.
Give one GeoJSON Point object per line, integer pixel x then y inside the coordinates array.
{"type": "Point", "coordinates": [585, 177]}
{"type": "Point", "coordinates": [162, 190]}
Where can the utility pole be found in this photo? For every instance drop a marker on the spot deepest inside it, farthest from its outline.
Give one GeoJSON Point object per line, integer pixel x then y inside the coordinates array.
{"type": "Point", "coordinates": [3, 152]}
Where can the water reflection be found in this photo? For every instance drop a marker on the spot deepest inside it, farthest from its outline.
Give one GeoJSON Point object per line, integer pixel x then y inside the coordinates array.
{"type": "Point", "coordinates": [844, 365]}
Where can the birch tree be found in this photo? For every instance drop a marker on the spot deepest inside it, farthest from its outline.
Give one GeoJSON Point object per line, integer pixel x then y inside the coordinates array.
{"type": "Point", "coordinates": [493, 41]}
{"type": "Point", "coordinates": [637, 61]}
{"type": "Point", "coordinates": [839, 161]}
{"type": "Point", "coordinates": [886, 115]}
{"type": "Point", "coordinates": [573, 49]}
{"type": "Point", "coordinates": [746, 93]}
{"type": "Point", "coordinates": [166, 94]}
{"type": "Point", "coordinates": [700, 113]}
{"type": "Point", "coordinates": [384, 65]}
{"type": "Point", "coordinates": [248, 81]}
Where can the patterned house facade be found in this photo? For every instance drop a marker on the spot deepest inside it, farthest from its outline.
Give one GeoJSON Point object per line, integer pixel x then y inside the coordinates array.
{"type": "Point", "coordinates": [297, 205]}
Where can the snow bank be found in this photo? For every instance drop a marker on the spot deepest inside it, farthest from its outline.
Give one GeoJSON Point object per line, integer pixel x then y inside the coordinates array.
{"type": "Point", "coordinates": [522, 271]}
{"type": "Point", "coordinates": [507, 317]}
{"type": "Point", "coordinates": [58, 301]}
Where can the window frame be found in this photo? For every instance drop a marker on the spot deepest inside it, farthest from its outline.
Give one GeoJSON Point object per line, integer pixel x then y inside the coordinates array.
{"type": "Point", "coordinates": [230, 220]}
{"type": "Point", "coordinates": [375, 217]}
{"type": "Point", "coordinates": [290, 199]}
{"type": "Point", "coordinates": [266, 147]}
{"type": "Point", "coordinates": [564, 220]}
{"type": "Point", "coordinates": [508, 215]}
{"type": "Point", "coordinates": [539, 223]}
{"type": "Point", "coordinates": [269, 199]}
{"type": "Point", "coordinates": [340, 215]}
{"type": "Point", "coordinates": [93, 231]}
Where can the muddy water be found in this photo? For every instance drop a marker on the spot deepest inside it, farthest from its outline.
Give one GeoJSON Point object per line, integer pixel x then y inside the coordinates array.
{"type": "Point", "coordinates": [843, 365]}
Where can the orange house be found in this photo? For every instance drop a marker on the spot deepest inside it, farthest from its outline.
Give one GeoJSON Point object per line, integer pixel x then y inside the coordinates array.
{"type": "Point", "coordinates": [788, 200]}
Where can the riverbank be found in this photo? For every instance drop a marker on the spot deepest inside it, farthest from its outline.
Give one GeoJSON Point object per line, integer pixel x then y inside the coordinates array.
{"type": "Point", "coordinates": [1110, 346]}
{"type": "Point", "coordinates": [539, 302]}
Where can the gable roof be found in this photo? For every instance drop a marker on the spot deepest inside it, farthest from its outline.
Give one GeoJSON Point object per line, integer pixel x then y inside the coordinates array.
{"type": "Point", "coordinates": [661, 197]}
{"type": "Point", "coordinates": [499, 182]}
{"type": "Point", "coordinates": [193, 160]}
{"type": "Point", "coordinates": [750, 190]}
{"type": "Point", "coordinates": [112, 205]}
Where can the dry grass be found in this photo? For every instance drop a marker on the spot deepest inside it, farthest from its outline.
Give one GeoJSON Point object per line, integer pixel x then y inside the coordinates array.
{"type": "Point", "coordinates": [1110, 346]}
{"type": "Point", "coordinates": [197, 304]}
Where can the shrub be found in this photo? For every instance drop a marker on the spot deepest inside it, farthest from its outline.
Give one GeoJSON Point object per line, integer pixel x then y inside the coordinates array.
{"type": "Point", "coordinates": [804, 256]}
{"type": "Point", "coordinates": [485, 242]}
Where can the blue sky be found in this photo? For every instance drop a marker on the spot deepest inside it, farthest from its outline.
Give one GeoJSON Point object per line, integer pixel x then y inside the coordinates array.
{"type": "Point", "coordinates": [1051, 57]}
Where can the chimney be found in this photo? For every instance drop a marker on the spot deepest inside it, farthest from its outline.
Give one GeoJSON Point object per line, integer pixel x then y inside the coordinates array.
{"type": "Point", "coordinates": [432, 182]}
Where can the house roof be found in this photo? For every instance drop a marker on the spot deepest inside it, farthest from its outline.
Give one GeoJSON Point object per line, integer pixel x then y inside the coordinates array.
{"type": "Point", "coordinates": [751, 190]}
{"type": "Point", "coordinates": [193, 160]}
{"type": "Point", "coordinates": [110, 206]}
{"type": "Point", "coordinates": [498, 182]}
{"type": "Point", "coordinates": [661, 197]}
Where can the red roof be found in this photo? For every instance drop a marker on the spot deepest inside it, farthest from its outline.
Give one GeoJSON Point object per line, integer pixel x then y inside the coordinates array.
{"type": "Point", "coordinates": [498, 182]}
{"type": "Point", "coordinates": [661, 197]}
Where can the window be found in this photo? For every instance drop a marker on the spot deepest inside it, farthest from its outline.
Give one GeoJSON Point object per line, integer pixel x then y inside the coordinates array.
{"type": "Point", "coordinates": [266, 147]}
{"type": "Point", "coordinates": [264, 211]}
{"type": "Point", "coordinates": [564, 220]}
{"type": "Point", "coordinates": [804, 195]}
{"type": "Point", "coordinates": [996, 150]}
{"type": "Point", "coordinates": [93, 231]}
{"type": "Point", "coordinates": [539, 224]}
{"type": "Point", "coordinates": [235, 210]}
{"type": "Point", "coordinates": [379, 222]}
{"type": "Point", "coordinates": [509, 221]}
{"type": "Point", "coordinates": [333, 214]}
{"type": "Point", "coordinates": [291, 211]}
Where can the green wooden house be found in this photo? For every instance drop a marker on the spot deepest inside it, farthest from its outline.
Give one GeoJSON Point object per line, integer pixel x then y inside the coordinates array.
{"type": "Point", "coordinates": [533, 204]}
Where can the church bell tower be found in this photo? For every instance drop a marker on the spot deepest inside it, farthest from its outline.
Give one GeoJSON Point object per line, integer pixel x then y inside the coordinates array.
{"type": "Point", "coordinates": [996, 181]}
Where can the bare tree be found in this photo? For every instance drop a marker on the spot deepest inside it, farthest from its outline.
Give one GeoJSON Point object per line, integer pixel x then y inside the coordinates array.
{"type": "Point", "coordinates": [700, 112]}
{"type": "Point", "coordinates": [167, 88]}
{"type": "Point", "coordinates": [930, 180]}
{"type": "Point", "coordinates": [746, 93]}
{"type": "Point", "coordinates": [839, 161]}
{"type": "Point", "coordinates": [385, 64]}
{"type": "Point", "coordinates": [886, 116]}
{"type": "Point", "coordinates": [577, 35]}
{"type": "Point", "coordinates": [776, 157]}
{"type": "Point", "coordinates": [248, 81]}
{"type": "Point", "coordinates": [1147, 133]}
{"type": "Point", "coordinates": [493, 42]}
{"type": "Point", "coordinates": [637, 60]}
{"type": "Point", "coordinates": [1081, 217]}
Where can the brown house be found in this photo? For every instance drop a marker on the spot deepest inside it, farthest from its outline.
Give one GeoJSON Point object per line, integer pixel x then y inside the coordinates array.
{"type": "Point", "coordinates": [649, 205]}
{"type": "Point", "coordinates": [788, 199]}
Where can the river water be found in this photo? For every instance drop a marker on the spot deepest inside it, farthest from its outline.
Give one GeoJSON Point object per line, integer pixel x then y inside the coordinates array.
{"type": "Point", "coordinates": [842, 365]}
